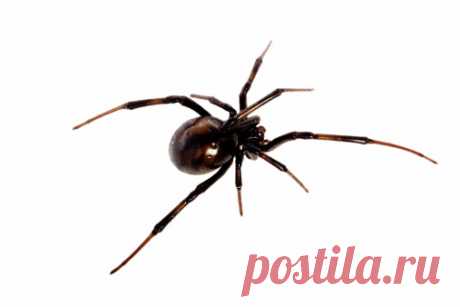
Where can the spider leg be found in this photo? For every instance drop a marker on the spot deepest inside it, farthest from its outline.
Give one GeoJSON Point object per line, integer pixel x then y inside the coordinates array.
{"type": "Point", "coordinates": [238, 181]}
{"type": "Point", "coordinates": [201, 188]}
{"type": "Point", "coordinates": [335, 137]}
{"type": "Point", "coordinates": [252, 75]}
{"type": "Point", "coordinates": [217, 102]}
{"type": "Point", "coordinates": [268, 98]}
{"type": "Point", "coordinates": [275, 163]}
{"type": "Point", "coordinates": [183, 100]}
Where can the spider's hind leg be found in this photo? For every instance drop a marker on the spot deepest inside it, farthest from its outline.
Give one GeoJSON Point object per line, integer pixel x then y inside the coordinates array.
{"type": "Point", "coordinates": [201, 188]}
{"type": "Point", "coordinates": [183, 100]}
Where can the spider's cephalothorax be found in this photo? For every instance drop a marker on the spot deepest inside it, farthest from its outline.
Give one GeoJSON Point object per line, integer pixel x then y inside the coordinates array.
{"type": "Point", "coordinates": [207, 143]}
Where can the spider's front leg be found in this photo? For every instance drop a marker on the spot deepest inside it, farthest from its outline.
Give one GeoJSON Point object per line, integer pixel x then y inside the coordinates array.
{"type": "Point", "coordinates": [291, 136]}
{"type": "Point", "coordinates": [183, 100]}
{"type": "Point", "coordinates": [244, 109]}
{"type": "Point", "coordinates": [268, 98]}
{"type": "Point", "coordinates": [280, 166]}
{"type": "Point", "coordinates": [201, 188]}
{"type": "Point", "coordinates": [252, 75]}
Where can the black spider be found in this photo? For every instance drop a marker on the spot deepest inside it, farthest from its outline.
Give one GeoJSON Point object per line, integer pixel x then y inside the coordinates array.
{"type": "Point", "coordinates": [206, 143]}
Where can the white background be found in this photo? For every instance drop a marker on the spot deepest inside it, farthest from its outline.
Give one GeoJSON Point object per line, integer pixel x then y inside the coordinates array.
{"type": "Point", "coordinates": [75, 203]}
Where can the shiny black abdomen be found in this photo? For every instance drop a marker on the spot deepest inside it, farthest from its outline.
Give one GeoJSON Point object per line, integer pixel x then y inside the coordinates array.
{"type": "Point", "coordinates": [198, 146]}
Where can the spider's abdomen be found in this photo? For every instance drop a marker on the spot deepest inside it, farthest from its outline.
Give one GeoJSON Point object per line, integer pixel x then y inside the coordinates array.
{"type": "Point", "coordinates": [198, 147]}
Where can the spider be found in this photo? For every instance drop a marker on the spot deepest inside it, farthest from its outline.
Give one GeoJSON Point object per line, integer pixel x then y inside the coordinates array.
{"type": "Point", "coordinates": [206, 143]}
